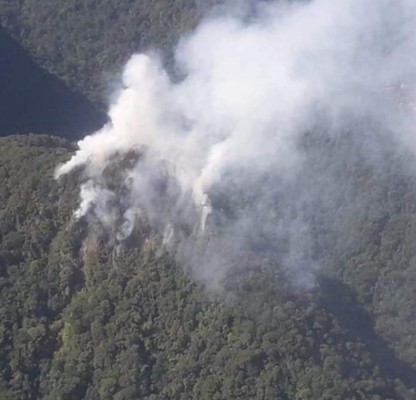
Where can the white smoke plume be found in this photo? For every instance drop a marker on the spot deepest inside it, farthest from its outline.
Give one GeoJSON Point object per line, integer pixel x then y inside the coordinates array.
{"type": "Point", "coordinates": [227, 162]}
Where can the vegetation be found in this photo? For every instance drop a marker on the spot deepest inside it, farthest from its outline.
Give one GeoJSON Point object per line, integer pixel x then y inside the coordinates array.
{"type": "Point", "coordinates": [80, 319]}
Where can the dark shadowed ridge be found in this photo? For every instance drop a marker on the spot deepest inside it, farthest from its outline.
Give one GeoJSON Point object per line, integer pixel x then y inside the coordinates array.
{"type": "Point", "coordinates": [32, 100]}
{"type": "Point", "coordinates": [340, 300]}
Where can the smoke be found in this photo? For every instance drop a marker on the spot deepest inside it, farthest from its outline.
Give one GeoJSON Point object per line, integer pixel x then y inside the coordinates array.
{"type": "Point", "coordinates": [250, 156]}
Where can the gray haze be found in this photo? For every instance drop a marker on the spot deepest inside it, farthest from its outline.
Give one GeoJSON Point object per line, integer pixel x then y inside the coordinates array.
{"type": "Point", "coordinates": [241, 161]}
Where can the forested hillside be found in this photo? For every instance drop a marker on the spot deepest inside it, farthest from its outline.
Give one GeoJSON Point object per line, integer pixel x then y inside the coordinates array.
{"type": "Point", "coordinates": [83, 319]}
{"type": "Point", "coordinates": [84, 315]}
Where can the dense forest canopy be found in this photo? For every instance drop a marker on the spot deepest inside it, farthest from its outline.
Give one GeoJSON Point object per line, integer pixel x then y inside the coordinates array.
{"type": "Point", "coordinates": [84, 315]}
{"type": "Point", "coordinates": [81, 319]}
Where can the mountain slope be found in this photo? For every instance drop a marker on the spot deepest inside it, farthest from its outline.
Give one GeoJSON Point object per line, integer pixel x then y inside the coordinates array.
{"type": "Point", "coordinates": [83, 316]}
{"type": "Point", "coordinates": [82, 319]}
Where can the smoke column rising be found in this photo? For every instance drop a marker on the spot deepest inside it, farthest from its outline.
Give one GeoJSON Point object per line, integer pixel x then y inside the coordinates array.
{"type": "Point", "coordinates": [219, 162]}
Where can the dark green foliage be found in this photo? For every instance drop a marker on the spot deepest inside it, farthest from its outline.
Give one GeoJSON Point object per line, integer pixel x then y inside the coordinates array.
{"type": "Point", "coordinates": [80, 319]}
{"type": "Point", "coordinates": [33, 288]}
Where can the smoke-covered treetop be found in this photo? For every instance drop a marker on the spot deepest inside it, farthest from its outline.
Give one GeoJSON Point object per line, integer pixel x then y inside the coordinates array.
{"type": "Point", "coordinates": [229, 162]}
